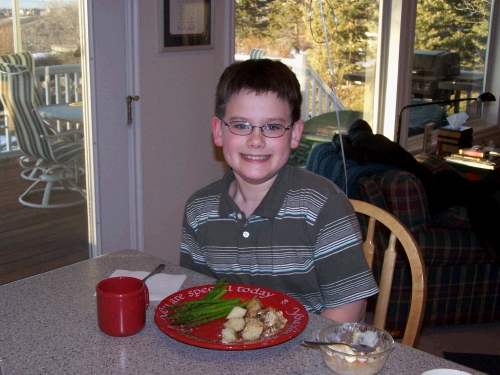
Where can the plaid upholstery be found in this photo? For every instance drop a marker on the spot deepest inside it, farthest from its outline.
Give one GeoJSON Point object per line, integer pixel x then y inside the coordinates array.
{"type": "Point", "coordinates": [463, 283]}
{"type": "Point", "coordinates": [410, 207]}
{"type": "Point", "coordinates": [455, 295]}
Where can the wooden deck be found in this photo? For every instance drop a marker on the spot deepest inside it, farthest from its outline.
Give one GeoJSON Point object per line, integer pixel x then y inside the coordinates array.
{"type": "Point", "coordinates": [34, 240]}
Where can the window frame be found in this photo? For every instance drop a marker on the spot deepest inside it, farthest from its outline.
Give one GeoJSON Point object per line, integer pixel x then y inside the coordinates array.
{"type": "Point", "coordinates": [394, 76]}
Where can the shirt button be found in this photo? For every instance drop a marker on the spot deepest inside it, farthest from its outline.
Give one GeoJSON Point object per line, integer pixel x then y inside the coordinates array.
{"type": "Point", "coordinates": [246, 234]}
{"type": "Point", "coordinates": [239, 215]}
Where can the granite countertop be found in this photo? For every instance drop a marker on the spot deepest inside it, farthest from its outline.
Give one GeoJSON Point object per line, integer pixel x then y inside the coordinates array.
{"type": "Point", "coordinates": [48, 326]}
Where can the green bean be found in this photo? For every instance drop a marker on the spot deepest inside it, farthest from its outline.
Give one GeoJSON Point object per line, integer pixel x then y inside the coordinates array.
{"type": "Point", "coordinates": [210, 307]}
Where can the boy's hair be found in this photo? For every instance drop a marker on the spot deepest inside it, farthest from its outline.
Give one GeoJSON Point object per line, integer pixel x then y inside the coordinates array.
{"type": "Point", "coordinates": [259, 76]}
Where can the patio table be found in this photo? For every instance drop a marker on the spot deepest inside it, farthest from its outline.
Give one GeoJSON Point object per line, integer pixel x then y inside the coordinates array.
{"type": "Point", "coordinates": [71, 112]}
{"type": "Point", "coordinates": [49, 326]}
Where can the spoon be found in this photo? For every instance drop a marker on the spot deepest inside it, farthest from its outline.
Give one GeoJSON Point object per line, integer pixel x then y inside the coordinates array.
{"type": "Point", "coordinates": [155, 271]}
{"type": "Point", "coordinates": [356, 347]}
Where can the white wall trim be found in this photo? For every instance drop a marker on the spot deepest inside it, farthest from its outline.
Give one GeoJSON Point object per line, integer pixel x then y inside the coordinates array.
{"type": "Point", "coordinates": [91, 154]}
{"type": "Point", "coordinates": [134, 133]}
{"type": "Point", "coordinates": [399, 62]}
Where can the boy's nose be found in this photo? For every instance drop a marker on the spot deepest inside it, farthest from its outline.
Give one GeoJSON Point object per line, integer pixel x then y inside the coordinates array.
{"type": "Point", "coordinates": [256, 138]}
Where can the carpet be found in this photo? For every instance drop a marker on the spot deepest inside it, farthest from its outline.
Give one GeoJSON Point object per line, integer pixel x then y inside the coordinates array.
{"type": "Point", "coordinates": [487, 363]}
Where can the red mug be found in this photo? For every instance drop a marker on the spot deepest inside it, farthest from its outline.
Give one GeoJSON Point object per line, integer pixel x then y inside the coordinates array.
{"type": "Point", "coordinates": [121, 305]}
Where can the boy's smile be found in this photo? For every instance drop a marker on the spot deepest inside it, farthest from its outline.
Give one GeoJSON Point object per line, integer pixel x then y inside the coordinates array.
{"type": "Point", "coordinates": [254, 158]}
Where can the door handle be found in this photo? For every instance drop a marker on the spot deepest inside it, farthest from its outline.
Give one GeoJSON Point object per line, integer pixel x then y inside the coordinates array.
{"type": "Point", "coordinates": [129, 107]}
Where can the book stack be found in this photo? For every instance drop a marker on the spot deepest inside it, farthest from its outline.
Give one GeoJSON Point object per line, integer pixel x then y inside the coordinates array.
{"type": "Point", "coordinates": [452, 140]}
{"type": "Point", "coordinates": [476, 157]}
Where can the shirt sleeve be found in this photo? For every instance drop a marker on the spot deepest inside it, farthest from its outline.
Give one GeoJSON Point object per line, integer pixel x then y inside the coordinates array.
{"type": "Point", "coordinates": [342, 271]}
{"type": "Point", "coordinates": [191, 254]}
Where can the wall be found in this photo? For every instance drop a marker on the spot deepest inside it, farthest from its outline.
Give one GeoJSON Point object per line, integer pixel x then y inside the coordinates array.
{"type": "Point", "coordinates": [178, 156]}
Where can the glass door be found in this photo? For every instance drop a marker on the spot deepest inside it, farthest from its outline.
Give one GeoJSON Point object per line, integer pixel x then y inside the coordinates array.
{"type": "Point", "coordinates": [46, 227]}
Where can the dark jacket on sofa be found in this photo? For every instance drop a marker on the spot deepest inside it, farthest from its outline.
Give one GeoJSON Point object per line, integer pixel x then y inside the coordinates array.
{"type": "Point", "coordinates": [444, 189]}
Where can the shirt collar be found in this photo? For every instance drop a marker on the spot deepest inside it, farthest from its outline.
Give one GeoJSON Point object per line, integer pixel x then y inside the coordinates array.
{"type": "Point", "coordinates": [272, 202]}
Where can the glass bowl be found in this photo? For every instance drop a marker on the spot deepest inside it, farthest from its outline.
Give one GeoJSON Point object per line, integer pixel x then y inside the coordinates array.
{"type": "Point", "coordinates": [343, 360]}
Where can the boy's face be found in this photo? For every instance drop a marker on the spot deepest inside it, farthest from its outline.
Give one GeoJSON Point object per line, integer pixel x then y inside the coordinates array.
{"type": "Point", "coordinates": [254, 158]}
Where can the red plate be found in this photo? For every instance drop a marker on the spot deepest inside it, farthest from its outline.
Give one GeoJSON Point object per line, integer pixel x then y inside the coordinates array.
{"type": "Point", "coordinates": [209, 335]}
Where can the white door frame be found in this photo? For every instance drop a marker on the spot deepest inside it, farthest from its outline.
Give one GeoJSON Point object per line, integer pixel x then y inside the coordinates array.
{"type": "Point", "coordinates": [109, 67]}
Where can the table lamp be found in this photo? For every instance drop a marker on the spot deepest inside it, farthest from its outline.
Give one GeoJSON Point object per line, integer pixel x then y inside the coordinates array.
{"type": "Point", "coordinates": [484, 97]}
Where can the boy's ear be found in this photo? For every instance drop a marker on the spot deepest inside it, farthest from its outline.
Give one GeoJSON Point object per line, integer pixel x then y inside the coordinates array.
{"type": "Point", "coordinates": [217, 131]}
{"type": "Point", "coordinates": [297, 129]}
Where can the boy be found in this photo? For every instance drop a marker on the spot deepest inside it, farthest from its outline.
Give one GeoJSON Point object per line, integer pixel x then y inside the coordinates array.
{"type": "Point", "coordinates": [266, 223]}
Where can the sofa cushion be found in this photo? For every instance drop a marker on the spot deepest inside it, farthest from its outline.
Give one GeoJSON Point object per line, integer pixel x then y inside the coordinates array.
{"type": "Point", "coordinates": [442, 246]}
{"type": "Point", "coordinates": [405, 198]}
{"type": "Point", "coordinates": [369, 191]}
{"type": "Point", "coordinates": [453, 217]}
{"type": "Point", "coordinates": [463, 294]}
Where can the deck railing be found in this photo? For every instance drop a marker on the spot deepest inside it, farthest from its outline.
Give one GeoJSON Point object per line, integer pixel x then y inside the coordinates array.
{"type": "Point", "coordinates": [57, 84]}
{"type": "Point", "coordinates": [65, 83]}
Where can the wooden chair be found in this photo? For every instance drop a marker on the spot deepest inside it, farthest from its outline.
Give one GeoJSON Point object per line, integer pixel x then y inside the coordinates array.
{"type": "Point", "coordinates": [398, 232]}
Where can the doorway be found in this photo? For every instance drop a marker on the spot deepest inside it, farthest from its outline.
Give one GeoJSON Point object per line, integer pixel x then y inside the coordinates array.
{"type": "Point", "coordinates": [36, 239]}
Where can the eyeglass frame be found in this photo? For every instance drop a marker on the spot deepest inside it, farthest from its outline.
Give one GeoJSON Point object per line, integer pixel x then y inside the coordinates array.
{"type": "Point", "coordinates": [254, 126]}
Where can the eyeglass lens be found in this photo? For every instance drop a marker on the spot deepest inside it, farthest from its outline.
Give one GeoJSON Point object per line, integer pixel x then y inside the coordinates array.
{"type": "Point", "coordinates": [267, 130]}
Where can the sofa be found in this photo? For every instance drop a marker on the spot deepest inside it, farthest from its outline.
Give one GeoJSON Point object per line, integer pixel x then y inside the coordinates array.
{"type": "Point", "coordinates": [463, 281]}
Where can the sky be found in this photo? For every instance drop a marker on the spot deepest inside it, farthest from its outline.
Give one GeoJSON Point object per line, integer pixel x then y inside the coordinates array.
{"type": "Point", "coordinates": [22, 4]}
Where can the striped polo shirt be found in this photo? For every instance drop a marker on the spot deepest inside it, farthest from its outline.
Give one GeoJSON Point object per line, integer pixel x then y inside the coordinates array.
{"type": "Point", "coordinates": [303, 240]}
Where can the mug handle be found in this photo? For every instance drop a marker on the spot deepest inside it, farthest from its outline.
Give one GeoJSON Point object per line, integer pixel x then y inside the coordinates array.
{"type": "Point", "coordinates": [146, 295]}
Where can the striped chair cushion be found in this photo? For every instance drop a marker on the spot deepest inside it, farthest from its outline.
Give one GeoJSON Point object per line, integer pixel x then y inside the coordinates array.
{"type": "Point", "coordinates": [257, 53]}
{"type": "Point", "coordinates": [16, 93]}
{"type": "Point", "coordinates": [26, 59]}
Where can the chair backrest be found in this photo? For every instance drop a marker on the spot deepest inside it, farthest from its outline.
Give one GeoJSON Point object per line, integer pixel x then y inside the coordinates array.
{"type": "Point", "coordinates": [26, 59]}
{"type": "Point", "coordinates": [398, 232]}
{"type": "Point", "coordinates": [17, 96]}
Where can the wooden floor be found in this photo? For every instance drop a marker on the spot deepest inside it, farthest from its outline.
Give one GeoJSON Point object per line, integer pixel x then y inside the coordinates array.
{"type": "Point", "coordinates": [34, 240]}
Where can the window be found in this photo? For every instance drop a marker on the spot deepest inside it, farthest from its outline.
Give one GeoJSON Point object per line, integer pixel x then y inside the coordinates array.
{"type": "Point", "coordinates": [292, 30]}
{"type": "Point", "coordinates": [373, 56]}
{"type": "Point", "coordinates": [453, 54]}
{"type": "Point", "coordinates": [449, 59]}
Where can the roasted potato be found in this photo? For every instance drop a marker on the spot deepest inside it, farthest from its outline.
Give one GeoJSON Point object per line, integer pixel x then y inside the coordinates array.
{"type": "Point", "coordinates": [228, 335]}
{"type": "Point", "coordinates": [237, 312]}
{"type": "Point", "coordinates": [253, 329]}
{"type": "Point", "coordinates": [237, 324]}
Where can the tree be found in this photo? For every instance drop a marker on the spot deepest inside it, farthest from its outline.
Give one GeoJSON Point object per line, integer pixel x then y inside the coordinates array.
{"type": "Point", "coordinates": [62, 24]}
{"type": "Point", "coordinates": [251, 17]}
{"type": "Point", "coordinates": [456, 26]}
{"type": "Point", "coordinates": [287, 25]}
{"type": "Point", "coordinates": [452, 25]}
{"type": "Point", "coordinates": [6, 38]}
{"type": "Point", "coordinates": [348, 24]}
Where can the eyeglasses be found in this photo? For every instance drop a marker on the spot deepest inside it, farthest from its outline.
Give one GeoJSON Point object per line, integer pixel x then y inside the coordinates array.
{"type": "Point", "coordinates": [267, 130]}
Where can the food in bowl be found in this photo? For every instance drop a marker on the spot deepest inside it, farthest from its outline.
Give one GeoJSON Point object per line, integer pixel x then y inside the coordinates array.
{"type": "Point", "coordinates": [343, 360]}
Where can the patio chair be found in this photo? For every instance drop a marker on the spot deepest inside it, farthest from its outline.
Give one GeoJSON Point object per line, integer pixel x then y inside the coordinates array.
{"type": "Point", "coordinates": [26, 59]}
{"type": "Point", "coordinates": [257, 53]}
{"type": "Point", "coordinates": [396, 232]}
{"type": "Point", "coordinates": [57, 154]}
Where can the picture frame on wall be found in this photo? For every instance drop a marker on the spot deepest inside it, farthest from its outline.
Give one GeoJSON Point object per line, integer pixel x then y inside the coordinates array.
{"type": "Point", "coordinates": [186, 25]}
